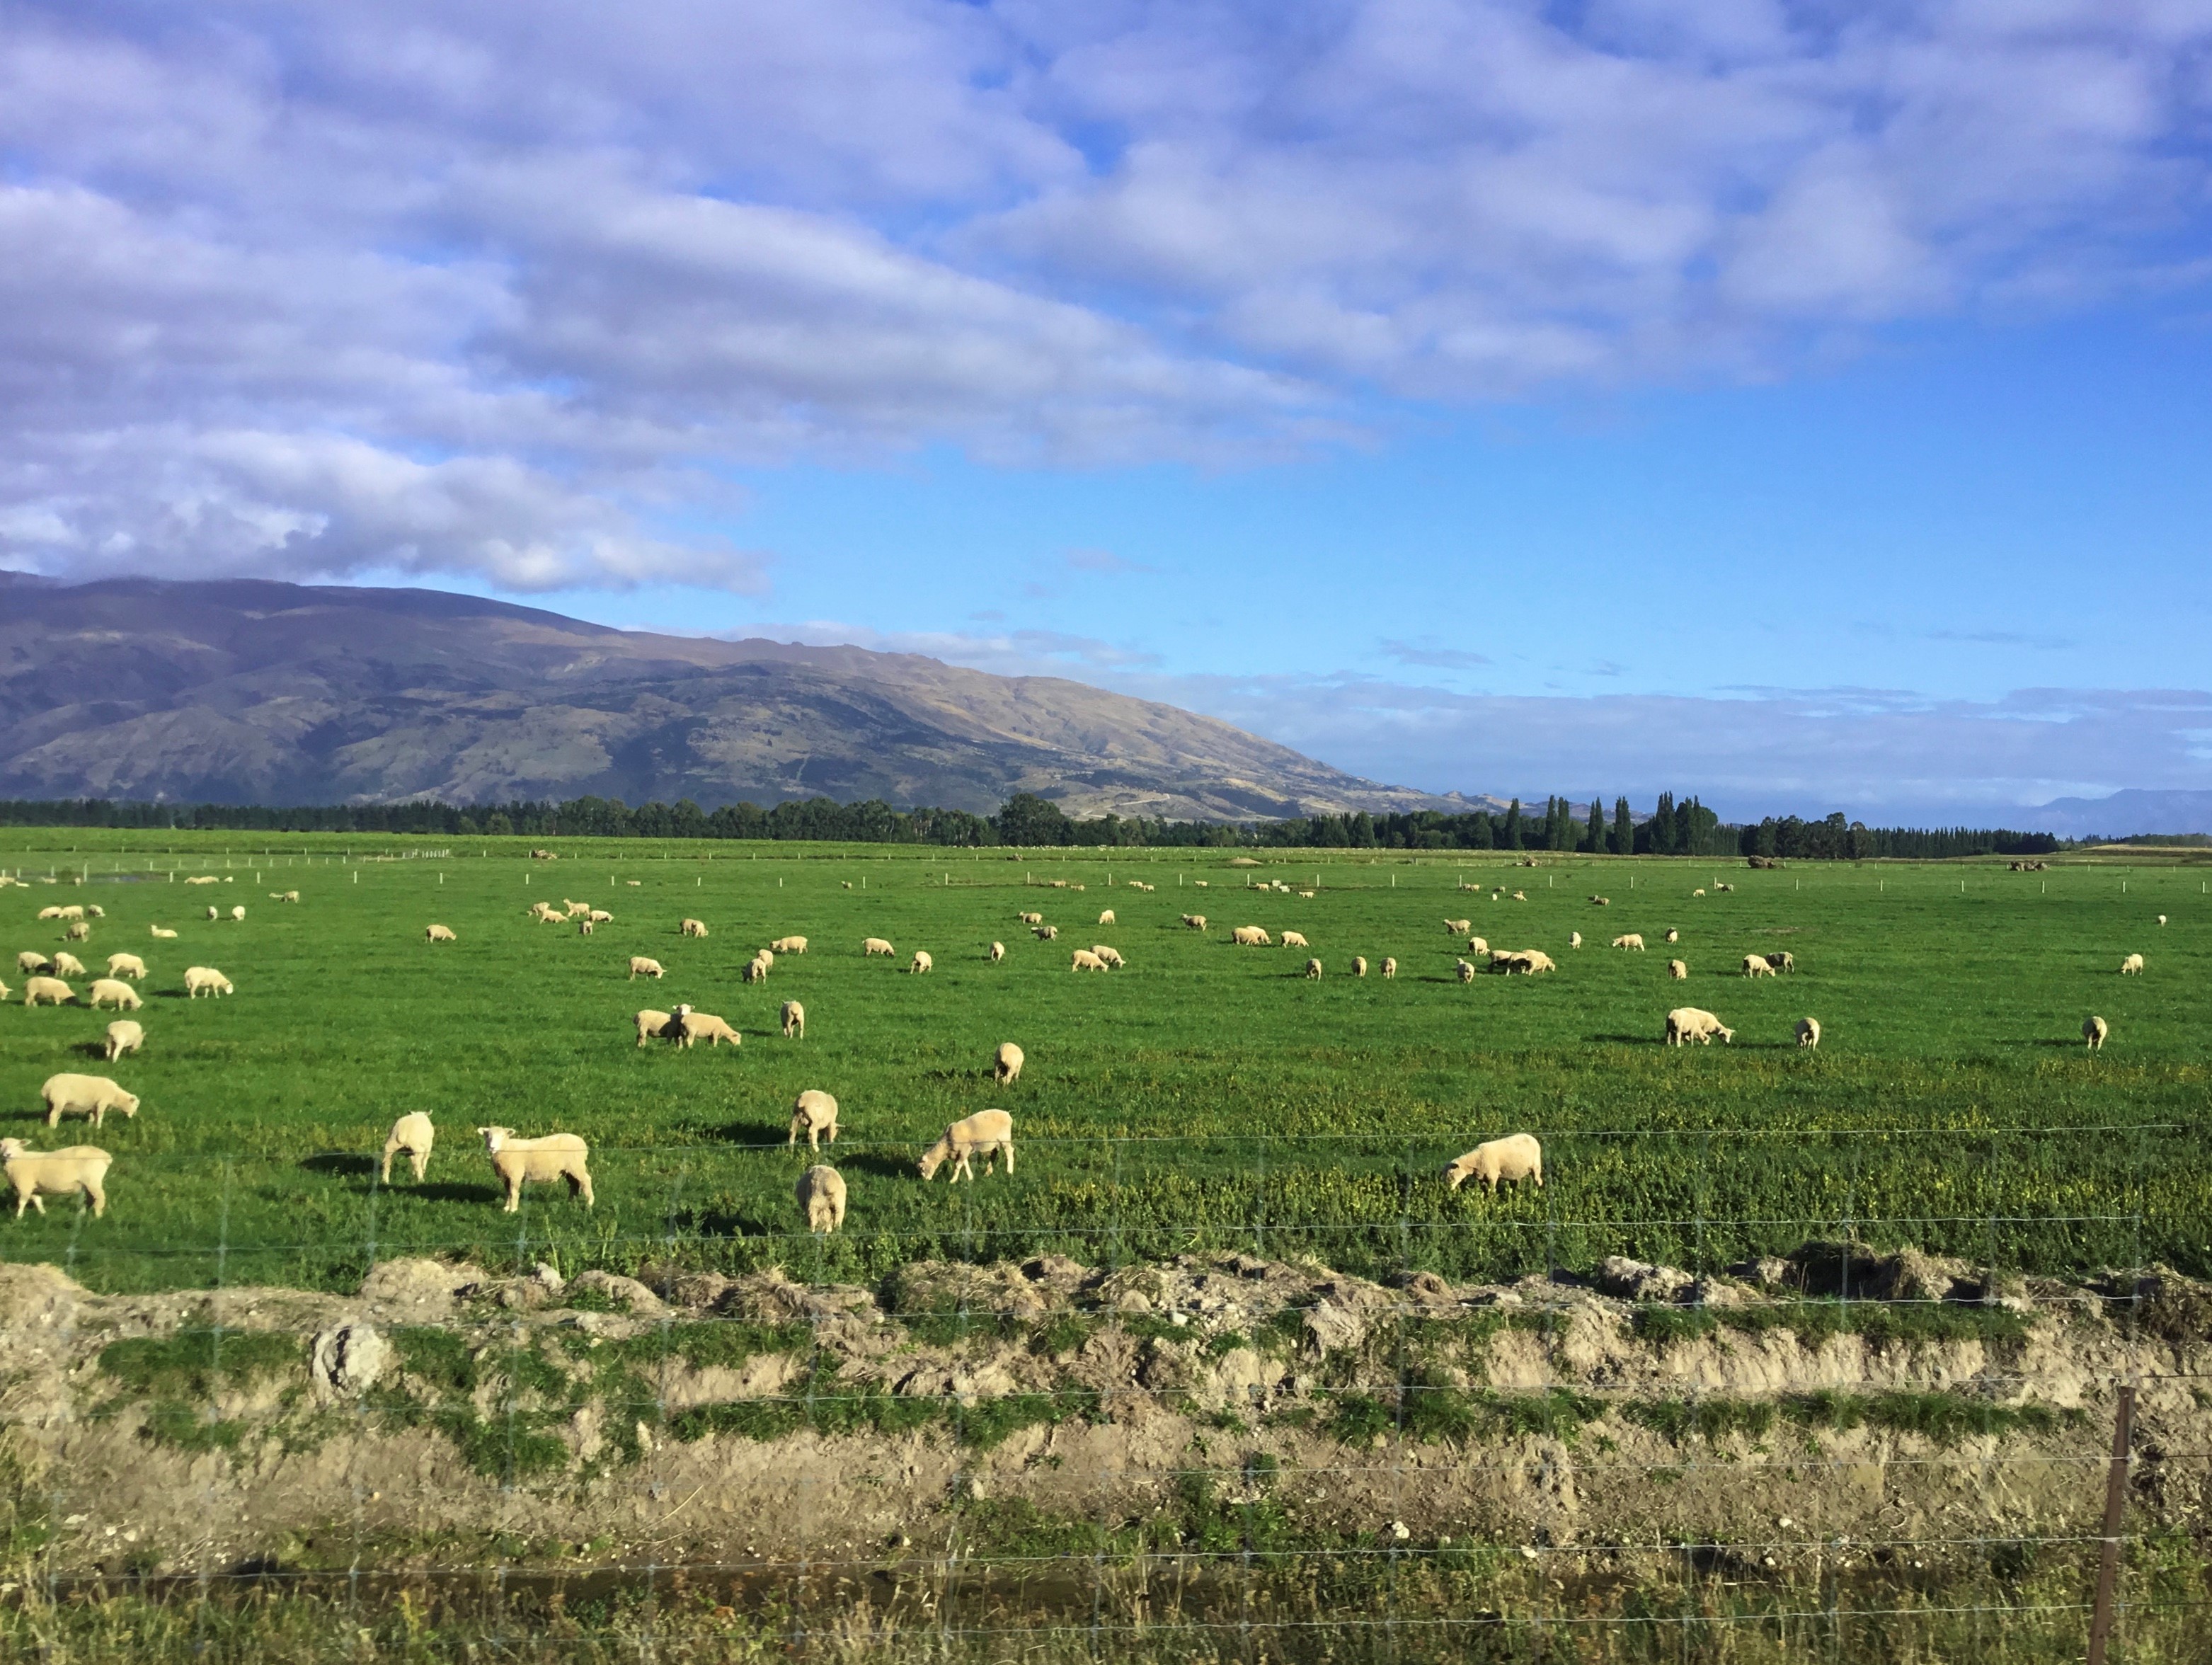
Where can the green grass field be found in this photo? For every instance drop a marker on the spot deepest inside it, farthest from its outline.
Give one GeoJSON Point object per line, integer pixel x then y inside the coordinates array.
{"type": "Point", "coordinates": [1207, 1097]}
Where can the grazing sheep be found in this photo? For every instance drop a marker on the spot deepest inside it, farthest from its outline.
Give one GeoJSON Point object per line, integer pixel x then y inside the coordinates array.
{"type": "Point", "coordinates": [703, 1026]}
{"type": "Point", "coordinates": [820, 1194]}
{"type": "Point", "coordinates": [652, 1026]}
{"type": "Point", "coordinates": [30, 963]}
{"type": "Point", "coordinates": [755, 971]}
{"type": "Point", "coordinates": [874, 946]}
{"type": "Point", "coordinates": [789, 944]}
{"type": "Point", "coordinates": [1030, 919]}
{"type": "Point", "coordinates": [1674, 935]}
{"type": "Point", "coordinates": [1699, 891]}
{"type": "Point", "coordinates": [68, 965]}
{"type": "Point", "coordinates": [1111, 956]}
{"type": "Point", "coordinates": [1107, 918]}
{"type": "Point", "coordinates": [794, 1021]}
{"type": "Point", "coordinates": [78, 932]}
{"type": "Point", "coordinates": [125, 965]}
{"type": "Point", "coordinates": [53, 990]}
{"type": "Point", "coordinates": [1520, 895]}
{"type": "Point", "coordinates": [2161, 919]}
{"type": "Point", "coordinates": [985, 1134]}
{"type": "Point", "coordinates": [1085, 960]}
{"type": "Point", "coordinates": [1808, 1031]}
{"type": "Point", "coordinates": [1466, 972]}
{"type": "Point", "coordinates": [291, 895]}
{"type": "Point", "coordinates": [520, 1162]}
{"type": "Point", "coordinates": [920, 963]}
{"type": "Point", "coordinates": [1718, 886]}
{"type": "Point", "coordinates": [161, 935]}
{"type": "Point", "coordinates": [1312, 971]}
{"type": "Point", "coordinates": [1295, 939]}
{"type": "Point", "coordinates": [692, 928]}
{"type": "Point", "coordinates": [998, 952]}
{"type": "Point", "coordinates": [124, 1036]}
{"type": "Point", "coordinates": [814, 1112]}
{"type": "Point", "coordinates": [37, 1175]}
{"type": "Point", "coordinates": [206, 980]}
{"type": "Point", "coordinates": [50, 913]}
{"type": "Point", "coordinates": [93, 910]}
{"type": "Point", "coordinates": [1478, 945]}
{"type": "Point", "coordinates": [1755, 965]}
{"type": "Point", "coordinates": [113, 991]}
{"type": "Point", "coordinates": [413, 1134]}
{"type": "Point", "coordinates": [1389, 968]}
{"type": "Point", "coordinates": [640, 966]}
{"type": "Point", "coordinates": [214, 912]}
{"type": "Point", "coordinates": [1574, 940]}
{"type": "Point", "coordinates": [600, 916]}
{"type": "Point", "coordinates": [72, 911]}
{"type": "Point", "coordinates": [441, 934]}
{"type": "Point", "coordinates": [1045, 932]}
{"type": "Point", "coordinates": [1601, 901]}
{"type": "Point", "coordinates": [1687, 1024]}
{"type": "Point", "coordinates": [1526, 961]}
{"type": "Point", "coordinates": [237, 914]}
{"type": "Point", "coordinates": [2093, 1031]}
{"type": "Point", "coordinates": [204, 878]}
{"type": "Point", "coordinates": [92, 1095]}
{"type": "Point", "coordinates": [2132, 966]}
{"type": "Point", "coordinates": [1782, 960]}
{"type": "Point", "coordinates": [1458, 927]}
{"type": "Point", "coordinates": [1515, 1158]}
{"type": "Point", "coordinates": [1678, 971]}
{"type": "Point", "coordinates": [1631, 940]}
{"type": "Point", "coordinates": [583, 927]}
{"type": "Point", "coordinates": [1358, 965]}
{"type": "Point", "coordinates": [1250, 936]}
{"type": "Point", "coordinates": [1195, 921]}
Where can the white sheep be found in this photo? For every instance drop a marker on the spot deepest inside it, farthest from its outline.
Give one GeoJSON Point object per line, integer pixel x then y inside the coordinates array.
{"type": "Point", "coordinates": [31, 963]}
{"type": "Point", "coordinates": [50, 913]}
{"type": "Point", "coordinates": [1250, 936]}
{"type": "Point", "coordinates": [985, 1134]}
{"type": "Point", "coordinates": [1808, 1031]}
{"type": "Point", "coordinates": [53, 990]}
{"type": "Point", "coordinates": [126, 965]}
{"type": "Point", "coordinates": [1389, 968]}
{"type": "Point", "coordinates": [161, 934]}
{"type": "Point", "coordinates": [441, 934]}
{"type": "Point", "coordinates": [1601, 901]}
{"type": "Point", "coordinates": [1006, 1063]}
{"type": "Point", "coordinates": [1312, 971]}
{"type": "Point", "coordinates": [1783, 960]}
{"type": "Point", "coordinates": [1107, 918]}
{"type": "Point", "coordinates": [756, 970]}
{"type": "Point", "coordinates": [1527, 962]}
{"type": "Point", "coordinates": [1631, 940]}
{"type": "Point", "coordinates": [820, 1194]}
{"type": "Point", "coordinates": [1358, 965]}
{"type": "Point", "coordinates": [1515, 1158]}
{"type": "Point", "coordinates": [2093, 1031]}
{"type": "Point", "coordinates": [1045, 932]}
{"type": "Point", "coordinates": [204, 878]}
{"type": "Point", "coordinates": [67, 964]}
{"type": "Point", "coordinates": [655, 1026]}
{"type": "Point", "coordinates": [1085, 960]}
{"type": "Point", "coordinates": [640, 966]}
{"type": "Point", "coordinates": [1699, 891]}
{"type": "Point", "coordinates": [692, 928]}
{"type": "Point", "coordinates": [413, 1134]}
{"type": "Point", "coordinates": [291, 895]}
{"type": "Point", "coordinates": [1678, 969]}
{"type": "Point", "coordinates": [214, 912]}
{"type": "Point", "coordinates": [1195, 921]}
{"type": "Point", "coordinates": [584, 927]}
{"type": "Point", "coordinates": [1672, 935]}
{"type": "Point", "coordinates": [1030, 919]}
{"type": "Point", "coordinates": [1574, 940]}
{"type": "Point", "coordinates": [600, 916]}
{"type": "Point", "coordinates": [813, 1113]}
{"type": "Point", "coordinates": [93, 910]}
{"type": "Point", "coordinates": [704, 1026]}
{"type": "Point", "coordinates": [2132, 966]}
{"type": "Point", "coordinates": [237, 914]}
{"type": "Point", "coordinates": [1458, 927]}
{"type": "Point", "coordinates": [1755, 965]}
{"type": "Point", "coordinates": [37, 1175]}
{"type": "Point", "coordinates": [79, 931]}
{"type": "Point", "coordinates": [111, 991]}
{"type": "Point", "coordinates": [794, 1021]}
{"type": "Point", "coordinates": [789, 944]}
{"type": "Point", "coordinates": [123, 1036]}
{"type": "Point", "coordinates": [1466, 971]}
{"type": "Point", "coordinates": [206, 980]}
{"type": "Point", "coordinates": [874, 946]}
{"type": "Point", "coordinates": [1688, 1023]}
{"type": "Point", "coordinates": [92, 1095]}
{"type": "Point", "coordinates": [1110, 955]}
{"type": "Point", "coordinates": [72, 911]}
{"type": "Point", "coordinates": [1295, 939]}
{"type": "Point", "coordinates": [519, 1162]}
{"type": "Point", "coordinates": [920, 963]}
{"type": "Point", "coordinates": [1478, 945]}
{"type": "Point", "coordinates": [998, 952]}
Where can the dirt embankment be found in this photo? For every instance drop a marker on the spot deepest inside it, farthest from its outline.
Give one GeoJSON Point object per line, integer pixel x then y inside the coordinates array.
{"type": "Point", "coordinates": [701, 1419]}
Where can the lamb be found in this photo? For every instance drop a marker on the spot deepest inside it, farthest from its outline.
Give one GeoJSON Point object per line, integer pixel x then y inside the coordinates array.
{"type": "Point", "coordinates": [124, 1036]}
{"type": "Point", "coordinates": [520, 1162]}
{"type": "Point", "coordinates": [92, 1095]}
{"type": "Point", "coordinates": [1574, 940]}
{"type": "Point", "coordinates": [206, 980]}
{"type": "Point", "coordinates": [1755, 965]}
{"type": "Point", "coordinates": [2132, 966]}
{"type": "Point", "coordinates": [1195, 921]}
{"type": "Point", "coordinates": [1030, 919]}
{"type": "Point", "coordinates": [1045, 932]}
{"type": "Point", "coordinates": [72, 911]}
{"type": "Point", "coordinates": [126, 965]}
{"type": "Point", "coordinates": [30, 963]}
{"type": "Point", "coordinates": [1808, 1031]}
{"type": "Point", "coordinates": [1527, 961]}
{"type": "Point", "coordinates": [79, 931]}
{"type": "Point", "coordinates": [1458, 927]}
{"type": "Point", "coordinates": [161, 935]}
{"type": "Point", "coordinates": [93, 910]}
{"type": "Point", "coordinates": [1601, 901]}
{"type": "Point", "coordinates": [1312, 971]}
{"type": "Point", "coordinates": [53, 990]}
{"type": "Point", "coordinates": [692, 928]}
{"type": "Point", "coordinates": [789, 944]}
{"type": "Point", "coordinates": [413, 1134]}
{"type": "Point", "coordinates": [703, 1026]}
{"type": "Point", "coordinates": [1250, 936]}
{"type": "Point", "coordinates": [68, 965]}
{"type": "Point", "coordinates": [651, 1024]}
{"type": "Point", "coordinates": [1107, 918]}
{"type": "Point", "coordinates": [755, 971]}
{"type": "Point", "coordinates": [50, 913]}
{"type": "Point", "coordinates": [110, 991]}
{"type": "Point", "coordinates": [583, 927]}
{"type": "Point", "coordinates": [441, 934]}
{"type": "Point", "coordinates": [1478, 945]}
{"type": "Point", "coordinates": [1085, 960]}
{"type": "Point", "coordinates": [1515, 1158]}
{"type": "Point", "coordinates": [1295, 939]}
{"type": "Point", "coordinates": [1466, 972]}
{"type": "Point", "coordinates": [237, 914]}
{"type": "Point", "coordinates": [794, 1021]}
{"type": "Point", "coordinates": [985, 1134]}
{"type": "Point", "coordinates": [1782, 960]}
{"type": "Point", "coordinates": [640, 966]}
{"type": "Point", "coordinates": [600, 916]}
{"type": "Point", "coordinates": [1699, 891]}
{"type": "Point", "coordinates": [1358, 965]}
{"type": "Point", "coordinates": [920, 963]}
{"type": "Point", "coordinates": [820, 1194]}
{"type": "Point", "coordinates": [1719, 886]}
{"type": "Point", "coordinates": [1111, 956]}
{"type": "Point", "coordinates": [998, 952]}
{"type": "Point", "coordinates": [1674, 935]}
{"type": "Point", "coordinates": [291, 895]}
{"type": "Point", "coordinates": [214, 912]}
{"type": "Point", "coordinates": [37, 1175]}
{"type": "Point", "coordinates": [1631, 940]}
{"type": "Point", "coordinates": [2093, 1031]}
{"type": "Point", "coordinates": [1678, 971]}
{"type": "Point", "coordinates": [1688, 1023]}
{"type": "Point", "coordinates": [1389, 968]}
{"type": "Point", "coordinates": [814, 1112]}
{"type": "Point", "coordinates": [874, 946]}
{"type": "Point", "coordinates": [2161, 919]}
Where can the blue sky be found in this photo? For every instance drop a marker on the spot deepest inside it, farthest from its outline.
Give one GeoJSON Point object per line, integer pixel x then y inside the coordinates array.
{"type": "Point", "coordinates": [1803, 405]}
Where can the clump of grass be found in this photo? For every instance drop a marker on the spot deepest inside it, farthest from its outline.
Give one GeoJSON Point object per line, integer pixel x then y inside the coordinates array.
{"type": "Point", "coordinates": [1818, 1320]}
{"type": "Point", "coordinates": [1945, 1419]}
{"type": "Point", "coordinates": [181, 1374]}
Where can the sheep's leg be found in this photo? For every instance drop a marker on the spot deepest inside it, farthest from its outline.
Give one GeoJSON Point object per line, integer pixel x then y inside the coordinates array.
{"type": "Point", "coordinates": [422, 1161]}
{"type": "Point", "coordinates": [24, 1199]}
{"type": "Point", "coordinates": [583, 1183]}
{"type": "Point", "coordinates": [96, 1195]}
{"type": "Point", "coordinates": [53, 1116]}
{"type": "Point", "coordinates": [1010, 1156]}
{"type": "Point", "coordinates": [390, 1151]}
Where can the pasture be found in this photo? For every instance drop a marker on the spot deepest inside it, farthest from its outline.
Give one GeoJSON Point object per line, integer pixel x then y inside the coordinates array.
{"type": "Point", "coordinates": [1208, 1096]}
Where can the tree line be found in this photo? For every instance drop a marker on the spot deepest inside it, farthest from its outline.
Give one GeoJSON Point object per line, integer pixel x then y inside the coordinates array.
{"type": "Point", "coordinates": [1674, 827]}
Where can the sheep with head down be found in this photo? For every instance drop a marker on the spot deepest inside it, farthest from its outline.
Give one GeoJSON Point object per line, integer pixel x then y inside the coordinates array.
{"type": "Point", "coordinates": [693, 1026]}
{"type": "Point", "coordinates": [1808, 1031]}
{"type": "Point", "coordinates": [68, 965]}
{"type": "Point", "coordinates": [789, 945]}
{"type": "Point", "coordinates": [111, 991]}
{"type": "Point", "coordinates": [1250, 936]}
{"type": "Point", "coordinates": [440, 934]}
{"type": "Point", "coordinates": [813, 1113]}
{"type": "Point", "coordinates": [38, 1174]}
{"type": "Point", "coordinates": [998, 952]}
{"type": "Point", "coordinates": [1295, 939]}
{"type": "Point", "coordinates": [1687, 1024]}
{"type": "Point", "coordinates": [126, 965]}
{"type": "Point", "coordinates": [1755, 965]}
{"type": "Point", "coordinates": [1678, 969]}
{"type": "Point", "coordinates": [985, 1134]}
{"type": "Point", "coordinates": [920, 963]}
{"type": "Point", "coordinates": [1512, 1159]}
{"type": "Point", "coordinates": [872, 946]}
{"type": "Point", "coordinates": [1084, 960]}
{"type": "Point", "coordinates": [123, 1036]}
{"type": "Point", "coordinates": [821, 1196]}
{"type": "Point", "coordinates": [32, 964]}
{"type": "Point", "coordinates": [2093, 1031]}
{"type": "Point", "coordinates": [1312, 971]}
{"type": "Point", "coordinates": [90, 1096]}
{"type": "Point", "coordinates": [641, 966]}
{"type": "Point", "coordinates": [2132, 966]}
{"type": "Point", "coordinates": [1389, 968]}
{"type": "Point", "coordinates": [657, 1026]}
{"type": "Point", "coordinates": [412, 1135]}
{"type": "Point", "coordinates": [206, 980]}
{"type": "Point", "coordinates": [50, 990]}
{"type": "Point", "coordinates": [794, 1021]}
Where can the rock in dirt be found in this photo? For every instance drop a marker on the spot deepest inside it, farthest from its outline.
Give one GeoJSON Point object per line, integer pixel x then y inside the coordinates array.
{"type": "Point", "coordinates": [625, 1290]}
{"type": "Point", "coordinates": [1635, 1280]}
{"type": "Point", "coordinates": [348, 1359]}
{"type": "Point", "coordinates": [44, 1296]}
{"type": "Point", "coordinates": [418, 1290]}
{"type": "Point", "coordinates": [1330, 1328]}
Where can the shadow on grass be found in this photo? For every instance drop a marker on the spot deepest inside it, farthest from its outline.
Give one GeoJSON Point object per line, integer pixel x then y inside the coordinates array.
{"type": "Point", "coordinates": [333, 1162]}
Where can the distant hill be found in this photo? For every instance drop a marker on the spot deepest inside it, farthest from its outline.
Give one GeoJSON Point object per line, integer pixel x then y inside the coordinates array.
{"type": "Point", "coordinates": [251, 692]}
{"type": "Point", "coordinates": [2125, 814]}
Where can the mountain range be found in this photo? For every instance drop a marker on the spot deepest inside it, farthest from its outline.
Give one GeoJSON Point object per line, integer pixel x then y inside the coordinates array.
{"type": "Point", "coordinates": [268, 693]}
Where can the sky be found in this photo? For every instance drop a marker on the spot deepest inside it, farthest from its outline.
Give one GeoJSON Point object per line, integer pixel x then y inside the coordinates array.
{"type": "Point", "coordinates": [1800, 404]}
